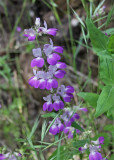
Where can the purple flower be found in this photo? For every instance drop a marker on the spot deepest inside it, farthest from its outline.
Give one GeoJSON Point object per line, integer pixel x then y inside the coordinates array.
{"type": "Point", "coordinates": [58, 104]}
{"type": "Point", "coordinates": [65, 93]}
{"type": "Point", "coordinates": [68, 117]}
{"type": "Point", "coordinates": [83, 149]}
{"type": "Point", "coordinates": [44, 30]}
{"type": "Point", "coordinates": [57, 73]}
{"type": "Point", "coordinates": [51, 82]}
{"type": "Point", "coordinates": [2, 157]}
{"type": "Point", "coordinates": [48, 105]}
{"type": "Point", "coordinates": [49, 48]}
{"type": "Point", "coordinates": [70, 131]}
{"type": "Point", "coordinates": [30, 33]}
{"type": "Point", "coordinates": [95, 156]}
{"type": "Point", "coordinates": [38, 61]}
{"type": "Point", "coordinates": [80, 108]}
{"type": "Point", "coordinates": [33, 81]}
{"type": "Point", "coordinates": [100, 140]}
{"type": "Point", "coordinates": [78, 131]}
{"type": "Point", "coordinates": [39, 80]}
{"type": "Point", "coordinates": [18, 29]}
{"type": "Point", "coordinates": [56, 127]}
{"type": "Point", "coordinates": [10, 156]}
{"type": "Point", "coordinates": [53, 58]}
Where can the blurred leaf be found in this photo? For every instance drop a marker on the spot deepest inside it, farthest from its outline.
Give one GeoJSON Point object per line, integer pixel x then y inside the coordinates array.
{"type": "Point", "coordinates": [77, 126]}
{"type": "Point", "coordinates": [105, 101]}
{"type": "Point", "coordinates": [109, 127]}
{"type": "Point", "coordinates": [99, 40]}
{"type": "Point", "coordinates": [112, 157]}
{"type": "Point", "coordinates": [110, 14]}
{"type": "Point", "coordinates": [80, 143]}
{"type": "Point", "coordinates": [47, 115]}
{"type": "Point", "coordinates": [91, 98]}
{"type": "Point", "coordinates": [107, 70]}
{"type": "Point", "coordinates": [34, 127]}
{"type": "Point", "coordinates": [44, 125]}
{"type": "Point", "coordinates": [110, 45]}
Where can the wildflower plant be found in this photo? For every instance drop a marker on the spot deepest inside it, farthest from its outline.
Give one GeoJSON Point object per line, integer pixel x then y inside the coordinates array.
{"type": "Point", "coordinates": [58, 102]}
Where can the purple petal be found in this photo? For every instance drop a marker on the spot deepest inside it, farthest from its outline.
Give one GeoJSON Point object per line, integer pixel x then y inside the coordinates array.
{"type": "Point", "coordinates": [31, 38]}
{"type": "Point", "coordinates": [69, 89]}
{"type": "Point", "coordinates": [95, 156]}
{"type": "Point", "coordinates": [58, 49]}
{"type": "Point", "coordinates": [101, 140]}
{"type": "Point", "coordinates": [61, 127]}
{"type": "Point", "coordinates": [70, 135]}
{"type": "Point", "coordinates": [78, 131]}
{"type": "Point", "coordinates": [84, 109]}
{"type": "Point", "coordinates": [54, 83]}
{"type": "Point", "coordinates": [42, 83]}
{"type": "Point", "coordinates": [39, 62]}
{"type": "Point", "coordinates": [53, 58]}
{"type": "Point", "coordinates": [61, 65]}
{"type": "Point", "coordinates": [66, 98]}
{"type": "Point", "coordinates": [53, 130]}
{"type": "Point", "coordinates": [2, 157]}
{"type": "Point", "coordinates": [61, 104]}
{"type": "Point", "coordinates": [52, 31]}
{"type": "Point", "coordinates": [66, 129]}
{"type": "Point", "coordinates": [47, 106]}
{"type": "Point", "coordinates": [51, 83]}
{"type": "Point", "coordinates": [37, 52]}
{"type": "Point", "coordinates": [76, 115]}
{"type": "Point", "coordinates": [48, 49]}
{"type": "Point", "coordinates": [56, 106]}
{"type": "Point", "coordinates": [67, 123]}
{"type": "Point", "coordinates": [59, 74]}
{"type": "Point", "coordinates": [33, 82]}
{"type": "Point", "coordinates": [18, 29]}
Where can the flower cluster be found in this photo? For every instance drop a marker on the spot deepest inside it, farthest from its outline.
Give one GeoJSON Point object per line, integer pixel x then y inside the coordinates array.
{"type": "Point", "coordinates": [46, 78]}
{"type": "Point", "coordinates": [10, 156]}
{"type": "Point", "coordinates": [64, 123]}
{"type": "Point", "coordinates": [94, 149]}
{"type": "Point", "coordinates": [38, 30]}
{"type": "Point", "coordinates": [47, 59]}
{"type": "Point", "coordinates": [49, 70]}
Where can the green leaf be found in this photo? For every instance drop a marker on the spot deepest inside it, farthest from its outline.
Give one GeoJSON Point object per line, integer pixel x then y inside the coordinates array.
{"type": "Point", "coordinates": [105, 101]}
{"type": "Point", "coordinates": [91, 98]}
{"type": "Point", "coordinates": [111, 112]}
{"type": "Point", "coordinates": [34, 128]}
{"type": "Point", "coordinates": [77, 126]}
{"type": "Point", "coordinates": [99, 40]}
{"type": "Point", "coordinates": [110, 45]}
{"type": "Point", "coordinates": [109, 127]}
{"type": "Point", "coordinates": [107, 70]}
{"type": "Point", "coordinates": [80, 143]}
{"type": "Point", "coordinates": [47, 115]}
